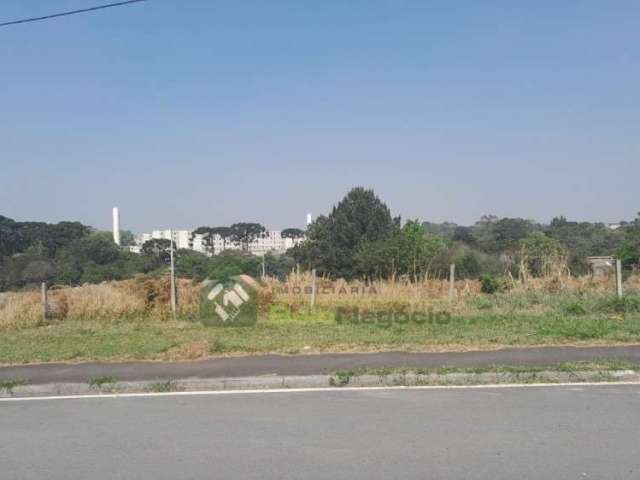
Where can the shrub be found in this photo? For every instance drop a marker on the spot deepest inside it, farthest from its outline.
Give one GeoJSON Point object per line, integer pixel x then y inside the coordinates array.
{"type": "Point", "coordinates": [490, 284]}
{"type": "Point", "coordinates": [574, 308]}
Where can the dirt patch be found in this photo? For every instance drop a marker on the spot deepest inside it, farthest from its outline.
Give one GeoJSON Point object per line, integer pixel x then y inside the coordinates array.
{"type": "Point", "coordinates": [188, 351]}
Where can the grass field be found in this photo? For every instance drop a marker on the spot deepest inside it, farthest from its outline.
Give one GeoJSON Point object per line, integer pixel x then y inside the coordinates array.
{"type": "Point", "coordinates": [129, 320]}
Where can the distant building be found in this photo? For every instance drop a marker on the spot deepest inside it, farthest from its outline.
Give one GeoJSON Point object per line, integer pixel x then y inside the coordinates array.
{"type": "Point", "coordinates": [271, 242]}
{"type": "Point", "coordinates": [181, 238]}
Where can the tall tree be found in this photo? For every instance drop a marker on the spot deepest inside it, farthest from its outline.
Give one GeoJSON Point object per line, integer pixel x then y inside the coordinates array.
{"type": "Point", "coordinates": [209, 234]}
{"type": "Point", "coordinates": [224, 233]}
{"type": "Point", "coordinates": [332, 240]}
{"type": "Point", "coordinates": [292, 233]}
{"type": "Point", "coordinates": [629, 251]}
{"type": "Point", "coordinates": [245, 233]}
{"type": "Point", "coordinates": [411, 251]}
{"type": "Point", "coordinates": [158, 247]}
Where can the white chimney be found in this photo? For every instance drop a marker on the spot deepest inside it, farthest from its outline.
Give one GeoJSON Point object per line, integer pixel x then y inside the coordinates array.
{"type": "Point", "coordinates": [116, 226]}
{"type": "Point", "coordinates": [308, 219]}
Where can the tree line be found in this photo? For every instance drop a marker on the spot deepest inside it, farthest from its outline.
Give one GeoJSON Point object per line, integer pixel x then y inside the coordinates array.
{"type": "Point", "coordinates": [70, 253]}
{"type": "Point", "coordinates": [359, 238]}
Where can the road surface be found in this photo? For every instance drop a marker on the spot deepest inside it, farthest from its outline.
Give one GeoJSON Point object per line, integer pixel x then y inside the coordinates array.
{"type": "Point", "coordinates": [311, 364]}
{"type": "Point", "coordinates": [493, 433]}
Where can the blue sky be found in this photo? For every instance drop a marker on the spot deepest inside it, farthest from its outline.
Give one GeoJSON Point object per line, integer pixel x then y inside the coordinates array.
{"type": "Point", "coordinates": [189, 113]}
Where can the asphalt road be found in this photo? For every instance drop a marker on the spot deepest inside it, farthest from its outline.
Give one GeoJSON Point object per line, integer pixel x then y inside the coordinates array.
{"type": "Point", "coordinates": [570, 432]}
{"type": "Point", "coordinates": [310, 364]}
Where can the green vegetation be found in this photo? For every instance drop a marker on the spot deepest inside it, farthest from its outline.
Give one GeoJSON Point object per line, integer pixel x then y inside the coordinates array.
{"type": "Point", "coordinates": [162, 387]}
{"type": "Point", "coordinates": [593, 371]}
{"type": "Point", "coordinates": [500, 320]}
{"type": "Point", "coordinates": [7, 386]}
{"type": "Point", "coordinates": [100, 381]}
{"type": "Point", "coordinates": [333, 240]}
{"type": "Point", "coordinates": [596, 365]}
{"type": "Point", "coordinates": [490, 284]}
{"type": "Point", "coordinates": [358, 239]}
{"type": "Point", "coordinates": [66, 253]}
{"type": "Point", "coordinates": [69, 253]}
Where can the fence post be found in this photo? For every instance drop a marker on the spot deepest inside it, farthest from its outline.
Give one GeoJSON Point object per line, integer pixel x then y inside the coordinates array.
{"type": "Point", "coordinates": [313, 287]}
{"type": "Point", "coordinates": [452, 281]}
{"type": "Point", "coordinates": [45, 302]}
{"type": "Point", "coordinates": [173, 277]}
{"type": "Point", "coordinates": [619, 278]}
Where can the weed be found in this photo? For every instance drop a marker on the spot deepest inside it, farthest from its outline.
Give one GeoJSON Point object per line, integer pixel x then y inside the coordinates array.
{"type": "Point", "coordinates": [161, 387]}
{"type": "Point", "coordinates": [218, 346]}
{"type": "Point", "coordinates": [9, 384]}
{"type": "Point", "coordinates": [99, 382]}
{"type": "Point", "coordinates": [627, 304]}
{"type": "Point", "coordinates": [342, 378]}
{"type": "Point", "coordinates": [574, 308]}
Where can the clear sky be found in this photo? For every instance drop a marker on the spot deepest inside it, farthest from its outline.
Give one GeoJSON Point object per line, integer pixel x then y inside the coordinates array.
{"type": "Point", "coordinates": [204, 112]}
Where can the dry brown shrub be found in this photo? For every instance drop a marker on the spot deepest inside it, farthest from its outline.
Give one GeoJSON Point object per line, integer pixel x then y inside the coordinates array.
{"type": "Point", "coordinates": [20, 309]}
{"type": "Point", "coordinates": [57, 307]}
{"type": "Point", "coordinates": [136, 298]}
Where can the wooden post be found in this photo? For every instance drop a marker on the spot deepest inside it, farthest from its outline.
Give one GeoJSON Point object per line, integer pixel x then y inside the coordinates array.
{"type": "Point", "coordinates": [45, 302]}
{"type": "Point", "coordinates": [619, 278]}
{"type": "Point", "coordinates": [173, 277]}
{"type": "Point", "coordinates": [313, 287]}
{"type": "Point", "coordinates": [452, 281]}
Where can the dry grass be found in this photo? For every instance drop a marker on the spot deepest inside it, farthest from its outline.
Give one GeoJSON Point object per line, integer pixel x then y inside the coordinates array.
{"type": "Point", "coordinates": [137, 298]}
{"type": "Point", "coordinates": [428, 293]}
{"type": "Point", "coordinates": [148, 297]}
{"type": "Point", "coordinates": [131, 320]}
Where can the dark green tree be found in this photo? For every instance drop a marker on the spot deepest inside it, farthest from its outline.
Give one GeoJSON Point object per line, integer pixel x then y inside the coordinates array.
{"type": "Point", "coordinates": [629, 250]}
{"type": "Point", "coordinates": [159, 248]}
{"type": "Point", "coordinates": [410, 251]}
{"type": "Point", "coordinates": [333, 240]}
{"type": "Point", "coordinates": [292, 233]}
{"type": "Point", "coordinates": [245, 233]}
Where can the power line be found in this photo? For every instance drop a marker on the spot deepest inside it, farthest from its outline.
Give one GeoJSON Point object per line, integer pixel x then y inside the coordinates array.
{"type": "Point", "coordinates": [71, 12]}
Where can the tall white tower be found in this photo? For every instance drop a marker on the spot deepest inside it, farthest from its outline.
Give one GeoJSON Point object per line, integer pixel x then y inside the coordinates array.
{"type": "Point", "coordinates": [308, 219]}
{"type": "Point", "coordinates": [116, 225]}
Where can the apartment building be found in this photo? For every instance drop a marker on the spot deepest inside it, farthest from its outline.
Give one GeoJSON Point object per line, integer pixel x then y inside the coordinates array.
{"type": "Point", "coordinates": [271, 242]}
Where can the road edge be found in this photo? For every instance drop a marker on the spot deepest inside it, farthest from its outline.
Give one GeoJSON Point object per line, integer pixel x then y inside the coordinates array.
{"type": "Point", "coordinates": [339, 380]}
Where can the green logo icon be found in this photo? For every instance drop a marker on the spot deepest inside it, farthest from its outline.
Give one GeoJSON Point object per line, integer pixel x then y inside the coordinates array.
{"type": "Point", "coordinates": [231, 303]}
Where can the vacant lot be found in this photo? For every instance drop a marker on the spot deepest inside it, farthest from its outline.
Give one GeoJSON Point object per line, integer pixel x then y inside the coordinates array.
{"type": "Point", "coordinates": [130, 320]}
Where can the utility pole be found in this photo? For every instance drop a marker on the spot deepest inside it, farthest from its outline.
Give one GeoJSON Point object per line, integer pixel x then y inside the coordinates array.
{"type": "Point", "coordinates": [263, 269]}
{"type": "Point", "coordinates": [173, 276]}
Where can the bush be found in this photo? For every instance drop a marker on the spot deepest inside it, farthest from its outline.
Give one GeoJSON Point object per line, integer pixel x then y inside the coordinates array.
{"type": "Point", "coordinates": [574, 308]}
{"type": "Point", "coordinates": [490, 284]}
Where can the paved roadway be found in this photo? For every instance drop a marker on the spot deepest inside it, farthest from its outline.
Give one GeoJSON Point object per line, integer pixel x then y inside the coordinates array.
{"type": "Point", "coordinates": [574, 432]}
{"type": "Point", "coordinates": [310, 364]}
